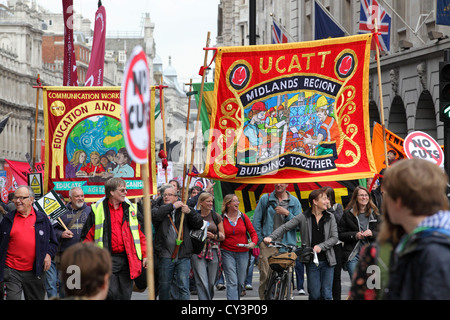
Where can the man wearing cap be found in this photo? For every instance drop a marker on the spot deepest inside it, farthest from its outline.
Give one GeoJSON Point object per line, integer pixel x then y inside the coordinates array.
{"type": "Point", "coordinates": [27, 246]}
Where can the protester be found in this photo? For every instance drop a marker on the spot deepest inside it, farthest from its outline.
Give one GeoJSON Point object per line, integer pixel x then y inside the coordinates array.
{"type": "Point", "coordinates": [318, 230]}
{"type": "Point", "coordinates": [74, 221]}
{"type": "Point", "coordinates": [359, 226]}
{"type": "Point", "coordinates": [415, 196]}
{"type": "Point", "coordinates": [337, 210]}
{"type": "Point", "coordinates": [271, 212]}
{"type": "Point", "coordinates": [235, 258]}
{"type": "Point", "coordinates": [92, 265]}
{"type": "Point", "coordinates": [115, 224]}
{"type": "Point", "coordinates": [176, 185]}
{"type": "Point", "coordinates": [206, 264]}
{"type": "Point", "coordinates": [11, 206]}
{"type": "Point", "coordinates": [27, 246]}
{"type": "Point", "coordinates": [174, 261]}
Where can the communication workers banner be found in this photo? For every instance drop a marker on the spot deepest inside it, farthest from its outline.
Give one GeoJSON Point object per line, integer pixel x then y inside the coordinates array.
{"type": "Point", "coordinates": [295, 112]}
{"type": "Point", "coordinates": [85, 142]}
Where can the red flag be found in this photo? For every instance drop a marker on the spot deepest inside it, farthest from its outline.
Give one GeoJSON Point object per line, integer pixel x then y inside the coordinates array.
{"type": "Point", "coordinates": [70, 64]}
{"type": "Point", "coordinates": [94, 76]}
{"type": "Point", "coordinates": [21, 169]}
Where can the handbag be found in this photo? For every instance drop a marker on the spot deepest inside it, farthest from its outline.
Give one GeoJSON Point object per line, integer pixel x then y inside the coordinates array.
{"type": "Point", "coordinates": [198, 237]}
{"type": "Point", "coordinates": [305, 254]}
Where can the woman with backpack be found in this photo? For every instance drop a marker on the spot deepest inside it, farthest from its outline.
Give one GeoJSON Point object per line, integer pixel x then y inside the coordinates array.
{"type": "Point", "coordinates": [206, 264]}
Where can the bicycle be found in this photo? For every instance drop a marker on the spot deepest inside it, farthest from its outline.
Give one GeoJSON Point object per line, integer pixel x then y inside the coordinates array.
{"type": "Point", "coordinates": [279, 285]}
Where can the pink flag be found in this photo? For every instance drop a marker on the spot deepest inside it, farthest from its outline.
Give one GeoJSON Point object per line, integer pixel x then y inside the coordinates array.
{"type": "Point", "coordinates": [94, 76]}
{"type": "Point", "coordinates": [70, 64]}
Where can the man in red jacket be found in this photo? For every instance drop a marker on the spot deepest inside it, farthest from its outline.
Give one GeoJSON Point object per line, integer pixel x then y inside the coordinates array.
{"type": "Point", "coordinates": [113, 224]}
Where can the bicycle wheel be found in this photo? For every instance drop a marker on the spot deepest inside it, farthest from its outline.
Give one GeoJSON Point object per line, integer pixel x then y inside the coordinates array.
{"type": "Point", "coordinates": [273, 287]}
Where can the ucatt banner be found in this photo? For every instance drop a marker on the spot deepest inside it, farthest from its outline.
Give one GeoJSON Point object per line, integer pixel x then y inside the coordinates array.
{"type": "Point", "coordinates": [85, 142]}
{"type": "Point", "coordinates": [295, 112]}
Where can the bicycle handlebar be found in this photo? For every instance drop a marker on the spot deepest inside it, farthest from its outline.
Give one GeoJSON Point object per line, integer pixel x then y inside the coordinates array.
{"type": "Point", "coordinates": [277, 244]}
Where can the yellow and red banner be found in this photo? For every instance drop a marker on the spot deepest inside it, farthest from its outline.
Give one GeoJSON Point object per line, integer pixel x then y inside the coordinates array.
{"type": "Point", "coordinates": [295, 112]}
{"type": "Point", "coordinates": [85, 142]}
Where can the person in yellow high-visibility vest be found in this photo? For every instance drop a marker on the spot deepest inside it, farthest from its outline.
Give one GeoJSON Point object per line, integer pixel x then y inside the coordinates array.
{"type": "Point", "coordinates": [115, 224]}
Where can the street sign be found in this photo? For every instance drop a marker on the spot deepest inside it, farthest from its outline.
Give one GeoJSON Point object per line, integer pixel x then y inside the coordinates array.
{"type": "Point", "coordinates": [135, 101]}
{"type": "Point", "coordinates": [52, 205]}
{"type": "Point", "coordinates": [35, 182]}
{"type": "Point", "coordinates": [420, 145]}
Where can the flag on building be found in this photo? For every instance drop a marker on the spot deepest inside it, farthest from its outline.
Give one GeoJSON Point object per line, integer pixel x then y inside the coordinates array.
{"type": "Point", "coordinates": [94, 76]}
{"type": "Point", "coordinates": [278, 35]}
{"type": "Point", "coordinates": [371, 12]}
{"type": "Point", "coordinates": [443, 12]}
{"type": "Point", "coordinates": [324, 25]}
{"type": "Point", "coordinates": [3, 123]}
{"type": "Point", "coordinates": [70, 65]}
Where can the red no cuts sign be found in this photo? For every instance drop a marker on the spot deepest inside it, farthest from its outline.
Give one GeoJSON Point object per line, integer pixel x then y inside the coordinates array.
{"type": "Point", "coordinates": [135, 100]}
{"type": "Point", "coordinates": [420, 145]}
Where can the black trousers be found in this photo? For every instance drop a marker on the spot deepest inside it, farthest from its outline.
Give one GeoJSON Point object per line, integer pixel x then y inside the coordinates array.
{"type": "Point", "coordinates": [120, 283]}
{"type": "Point", "coordinates": [26, 282]}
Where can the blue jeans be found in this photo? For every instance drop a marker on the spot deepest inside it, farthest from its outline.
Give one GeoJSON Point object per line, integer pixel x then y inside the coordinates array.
{"type": "Point", "coordinates": [351, 265]}
{"type": "Point", "coordinates": [177, 273]}
{"type": "Point", "coordinates": [320, 281]}
{"type": "Point", "coordinates": [205, 275]}
{"type": "Point", "coordinates": [248, 280]}
{"type": "Point", "coordinates": [51, 280]}
{"type": "Point", "coordinates": [299, 274]}
{"type": "Point", "coordinates": [235, 268]}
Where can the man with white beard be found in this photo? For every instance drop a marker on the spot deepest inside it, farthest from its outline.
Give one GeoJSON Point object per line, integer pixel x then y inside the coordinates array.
{"type": "Point", "coordinates": [74, 220]}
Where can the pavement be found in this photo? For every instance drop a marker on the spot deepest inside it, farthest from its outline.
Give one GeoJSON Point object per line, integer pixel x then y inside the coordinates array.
{"type": "Point", "coordinates": [253, 294]}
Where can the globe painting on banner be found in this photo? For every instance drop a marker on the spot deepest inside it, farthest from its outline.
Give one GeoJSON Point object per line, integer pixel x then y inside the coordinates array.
{"type": "Point", "coordinates": [86, 142]}
{"type": "Point", "coordinates": [292, 112]}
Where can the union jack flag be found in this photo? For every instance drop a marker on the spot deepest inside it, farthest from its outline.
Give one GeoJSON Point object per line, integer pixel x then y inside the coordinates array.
{"type": "Point", "coordinates": [372, 11]}
{"type": "Point", "coordinates": [278, 36]}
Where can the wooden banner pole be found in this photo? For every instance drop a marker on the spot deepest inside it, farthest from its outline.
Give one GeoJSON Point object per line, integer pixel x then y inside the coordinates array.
{"type": "Point", "coordinates": [380, 85]}
{"type": "Point", "coordinates": [205, 64]}
{"type": "Point", "coordinates": [36, 118]}
{"type": "Point", "coordinates": [185, 186]}
{"type": "Point", "coordinates": [148, 233]}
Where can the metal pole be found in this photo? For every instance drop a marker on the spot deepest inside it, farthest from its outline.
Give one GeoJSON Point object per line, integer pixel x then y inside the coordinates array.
{"type": "Point", "coordinates": [252, 22]}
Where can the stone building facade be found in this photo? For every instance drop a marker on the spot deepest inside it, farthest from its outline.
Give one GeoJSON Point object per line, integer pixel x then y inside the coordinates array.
{"type": "Point", "coordinates": [409, 71]}
{"type": "Point", "coordinates": [32, 44]}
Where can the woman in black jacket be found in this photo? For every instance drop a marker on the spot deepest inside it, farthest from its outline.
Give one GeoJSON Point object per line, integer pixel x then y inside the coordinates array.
{"type": "Point", "coordinates": [358, 226]}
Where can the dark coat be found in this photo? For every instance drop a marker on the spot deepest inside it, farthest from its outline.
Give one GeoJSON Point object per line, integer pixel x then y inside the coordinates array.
{"type": "Point", "coordinates": [46, 242]}
{"type": "Point", "coordinates": [348, 227]}
{"type": "Point", "coordinates": [161, 222]}
{"type": "Point", "coordinates": [420, 270]}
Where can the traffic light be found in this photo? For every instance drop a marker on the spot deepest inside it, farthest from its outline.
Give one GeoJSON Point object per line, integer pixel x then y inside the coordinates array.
{"type": "Point", "coordinates": [444, 91]}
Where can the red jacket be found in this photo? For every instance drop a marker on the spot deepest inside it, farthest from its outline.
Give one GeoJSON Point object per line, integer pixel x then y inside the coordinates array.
{"type": "Point", "coordinates": [235, 235]}
{"type": "Point", "coordinates": [87, 235]}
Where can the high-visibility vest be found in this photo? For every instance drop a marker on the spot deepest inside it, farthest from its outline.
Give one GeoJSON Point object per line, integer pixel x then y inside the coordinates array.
{"type": "Point", "coordinates": [99, 214]}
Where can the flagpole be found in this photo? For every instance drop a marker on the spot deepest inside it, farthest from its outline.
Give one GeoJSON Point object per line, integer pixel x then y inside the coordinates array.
{"type": "Point", "coordinates": [377, 50]}
{"type": "Point", "coordinates": [33, 169]}
{"type": "Point", "coordinates": [148, 232]}
{"type": "Point", "coordinates": [161, 105]}
{"type": "Point", "coordinates": [186, 191]}
{"type": "Point", "coordinates": [189, 94]}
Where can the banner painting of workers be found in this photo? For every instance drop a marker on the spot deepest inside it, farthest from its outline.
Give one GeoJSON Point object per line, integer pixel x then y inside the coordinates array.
{"type": "Point", "coordinates": [86, 145]}
{"type": "Point", "coordinates": [292, 112]}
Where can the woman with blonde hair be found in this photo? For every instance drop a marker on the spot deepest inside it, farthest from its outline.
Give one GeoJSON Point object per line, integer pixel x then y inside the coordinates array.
{"type": "Point", "coordinates": [78, 161]}
{"type": "Point", "coordinates": [358, 226]}
{"type": "Point", "coordinates": [206, 264]}
{"type": "Point", "coordinates": [235, 247]}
